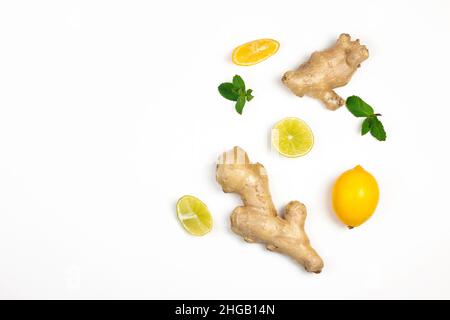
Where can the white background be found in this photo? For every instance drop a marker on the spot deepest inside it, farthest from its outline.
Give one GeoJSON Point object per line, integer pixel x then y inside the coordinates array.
{"type": "Point", "coordinates": [109, 112]}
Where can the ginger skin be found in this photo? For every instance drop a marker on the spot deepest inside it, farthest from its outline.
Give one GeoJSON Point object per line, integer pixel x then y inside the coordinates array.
{"type": "Point", "coordinates": [257, 220]}
{"type": "Point", "coordinates": [326, 70]}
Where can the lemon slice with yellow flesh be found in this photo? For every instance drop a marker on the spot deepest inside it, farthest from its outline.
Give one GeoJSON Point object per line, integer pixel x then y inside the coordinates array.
{"type": "Point", "coordinates": [292, 137]}
{"type": "Point", "coordinates": [253, 52]}
{"type": "Point", "coordinates": [194, 215]}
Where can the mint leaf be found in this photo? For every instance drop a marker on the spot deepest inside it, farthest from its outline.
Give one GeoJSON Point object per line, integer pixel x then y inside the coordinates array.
{"type": "Point", "coordinates": [371, 123]}
{"type": "Point", "coordinates": [377, 129]}
{"type": "Point", "coordinates": [235, 91]}
{"type": "Point", "coordinates": [240, 104]}
{"type": "Point", "coordinates": [249, 94]}
{"type": "Point", "coordinates": [228, 91]}
{"type": "Point", "coordinates": [358, 107]}
{"type": "Point", "coordinates": [366, 125]}
{"type": "Point", "coordinates": [238, 83]}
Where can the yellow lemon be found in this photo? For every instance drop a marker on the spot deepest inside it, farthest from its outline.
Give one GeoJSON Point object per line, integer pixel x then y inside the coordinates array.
{"type": "Point", "coordinates": [254, 52]}
{"type": "Point", "coordinates": [355, 196]}
{"type": "Point", "coordinates": [194, 215]}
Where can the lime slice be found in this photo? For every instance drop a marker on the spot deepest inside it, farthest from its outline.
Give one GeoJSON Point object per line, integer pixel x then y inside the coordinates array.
{"type": "Point", "coordinates": [292, 137]}
{"type": "Point", "coordinates": [194, 215]}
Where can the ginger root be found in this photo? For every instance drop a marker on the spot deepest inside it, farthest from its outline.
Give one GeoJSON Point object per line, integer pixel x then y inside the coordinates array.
{"type": "Point", "coordinates": [326, 70]}
{"type": "Point", "coordinates": [257, 220]}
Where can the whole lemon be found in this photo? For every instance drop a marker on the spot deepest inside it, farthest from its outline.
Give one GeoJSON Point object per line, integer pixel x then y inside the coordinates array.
{"type": "Point", "coordinates": [355, 196]}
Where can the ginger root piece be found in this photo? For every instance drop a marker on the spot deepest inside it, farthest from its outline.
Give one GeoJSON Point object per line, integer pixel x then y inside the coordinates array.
{"type": "Point", "coordinates": [257, 220]}
{"type": "Point", "coordinates": [326, 70]}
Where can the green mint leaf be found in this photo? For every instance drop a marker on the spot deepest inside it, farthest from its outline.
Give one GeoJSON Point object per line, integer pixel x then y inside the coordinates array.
{"type": "Point", "coordinates": [228, 91]}
{"type": "Point", "coordinates": [238, 83]}
{"type": "Point", "coordinates": [240, 104]}
{"type": "Point", "coordinates": [377, 129]}
{"type": "Point", "coordinates": [358, 107]}
{"type": "Point", "coordinates": [366, 125]}
{"type": "Point", "coordinates": [235, 91]}
{"type": "Point", "coordinates": [249, 94]}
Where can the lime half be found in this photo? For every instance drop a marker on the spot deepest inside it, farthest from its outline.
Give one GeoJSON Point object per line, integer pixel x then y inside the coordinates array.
{"type": "Point", "coordinates": [292, 137]}
{"type": "Point", "coordinates": [194, 215]}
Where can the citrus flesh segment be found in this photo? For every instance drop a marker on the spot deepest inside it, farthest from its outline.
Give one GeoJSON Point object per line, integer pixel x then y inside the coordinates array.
{"type": "Point", "coordinates": [292, 137]}
{"type": "Point", "coordinates": [194, 215]}
{"type": "Point", "coordinates": [254, 52]}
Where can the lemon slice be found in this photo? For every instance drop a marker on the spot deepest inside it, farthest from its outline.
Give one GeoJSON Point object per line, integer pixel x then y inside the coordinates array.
{"type": "Point", "coordinates": [194, 215]}
{"type": "Point", "coordinates": [254, 52]}
{"type": "Point", "coordinates": [292, 137]}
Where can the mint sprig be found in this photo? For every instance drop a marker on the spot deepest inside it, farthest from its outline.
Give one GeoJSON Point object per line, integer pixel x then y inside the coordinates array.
{"type": "Point", "coordinates": [359, 108]}
{"type": "Point", "coordinates": [235, 91]}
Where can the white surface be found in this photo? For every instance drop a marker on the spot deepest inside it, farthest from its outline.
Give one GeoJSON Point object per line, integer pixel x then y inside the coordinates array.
{"type": "Point", "coordinates": [109, 112]}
